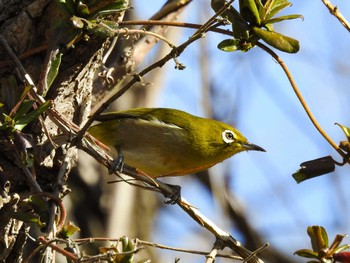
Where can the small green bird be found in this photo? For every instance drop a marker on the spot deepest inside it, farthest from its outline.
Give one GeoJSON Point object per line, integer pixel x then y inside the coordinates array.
{"type": "Point", "coordinates": [168, 142]}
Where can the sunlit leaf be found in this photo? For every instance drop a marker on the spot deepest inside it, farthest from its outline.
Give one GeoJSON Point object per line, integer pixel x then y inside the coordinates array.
{"type": "Point", "coordinates": [318, 236]}
{"type": "Point", "coordinates": [68, 230]}
{"type": "Point", "coordinates": [53, 70]}
{"type": "Point", "coordinates": [272, 7]}
{"type": "Point", "coordinates": [229, 45]}
{"type": "Point", "coordinates": [306, 253]}
{"type": "Point", "coordinates": [278, 40]}
{"type": "Point", "coordinates": [240, 27]}
{"type": "Point", "coordinates": [249, 11]}
{"type": "Point", "coordinates": [281, 18]}
{"type": "Point", "coordinates": [336, 242]}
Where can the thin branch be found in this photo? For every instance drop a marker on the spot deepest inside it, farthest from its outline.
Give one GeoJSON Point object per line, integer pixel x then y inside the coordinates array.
{"type": "Point", "coordinates": [153, 244]}
{"type": "Point", "coordinates": [335, 12]}
{"type": "Point", "coordinates": [302, 101]}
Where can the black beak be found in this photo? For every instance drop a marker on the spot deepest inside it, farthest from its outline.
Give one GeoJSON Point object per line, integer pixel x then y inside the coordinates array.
{"type": "Point", "coordinates": [252, 147]}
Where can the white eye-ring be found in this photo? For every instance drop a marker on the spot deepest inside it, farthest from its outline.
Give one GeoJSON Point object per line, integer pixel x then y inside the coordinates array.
{"type": "Point", "coordinates": [228, 136]}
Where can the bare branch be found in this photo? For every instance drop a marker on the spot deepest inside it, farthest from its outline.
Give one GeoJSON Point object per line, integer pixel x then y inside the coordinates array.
{"type": "Point", "coordinates": [335, 12]}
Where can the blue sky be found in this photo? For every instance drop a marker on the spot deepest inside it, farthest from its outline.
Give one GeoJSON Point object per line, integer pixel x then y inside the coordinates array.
{"type": "Point", "coordinates": [252, 92]}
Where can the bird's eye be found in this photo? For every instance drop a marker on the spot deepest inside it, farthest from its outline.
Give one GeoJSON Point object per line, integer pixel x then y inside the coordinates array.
{"type": "Point", "coordinates": [228, 136]}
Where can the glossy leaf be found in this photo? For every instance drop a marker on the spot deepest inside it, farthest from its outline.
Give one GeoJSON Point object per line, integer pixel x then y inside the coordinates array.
{"type": "Point", "coordinates": [229, 45]}
{"type": "Point", "coordinates": [318, 236]}
{"type": "Point", "coordinates": [249, 11]}
{"type": "Point", "coordinates": [107, 7]}
{"type": "Point", "coordinates": [281, 18]}
{"type": "Point", "coordinates": [272, 7]}
{"type": "Point", "coordinates": [306, 253]}
{"type": "Point", "coordinates": [240, 27]}
{"type": "Point", "coordinates": [277, 40]}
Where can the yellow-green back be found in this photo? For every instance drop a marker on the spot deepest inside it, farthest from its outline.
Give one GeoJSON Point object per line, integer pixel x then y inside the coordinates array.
{"type": "Point", "coordinates": [166, 142]}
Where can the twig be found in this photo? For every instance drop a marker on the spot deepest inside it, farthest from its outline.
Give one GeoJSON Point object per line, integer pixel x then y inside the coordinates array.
{"type": "Point", "coordinates": [335, 12]}
{"type": "Point", "coordinates": [49, 243]}
{"type": "Point", "coordinates": [127, 31]}
{"type": "Point", "coordinates": [153, 244]}
{"type": "Point", "coordinates": [302, 101]}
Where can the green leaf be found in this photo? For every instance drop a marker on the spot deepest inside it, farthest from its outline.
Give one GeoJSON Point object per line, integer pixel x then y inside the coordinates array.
{"type": "Point", "coordinates": [39, 205]}
{"type": "Point", "coordinates": [68, 230]}
{"type": "Point", "coordinates": [54, 67]}
{"type": "Point", "coordinates": [82, 9]}
{"type": "Point", "coordinates": [107, 7]}
{"type": "Point", "coordinates": [318, 236]}
{"type": "Point", "coordinates": [229, 45]}
{"type": "Point", "coordinates": [102, 29]}
{"type": "Point", "coordinates": [249, 11]}
{"type": "Point", "coordinates": [127, 246]}
{"type": "Point", "coordinates": [28, 118]}
{"type": "Point", "coordinates": [272, 7]}
{"type": "Point", "coordinates": [23, 108]}
{"type": "Point", "coordinates": [279, 41]}
{"type": "Point", "coordinates": [28, 218]}
{"type": "Point", "coordinates": [281, 18]}
{"type": "Point", "coordinates": [306, 253]}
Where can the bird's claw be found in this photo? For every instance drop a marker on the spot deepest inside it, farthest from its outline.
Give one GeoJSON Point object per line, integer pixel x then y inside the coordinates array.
{"type": "Point", "coordinates": [175, 194]}
{"type": "Point", "coordinates": [117, 164]}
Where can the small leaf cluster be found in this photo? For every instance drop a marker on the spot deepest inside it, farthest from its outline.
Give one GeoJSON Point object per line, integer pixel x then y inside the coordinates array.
{"type": "Point", "coordinates": [254, 21]}
{"type": "Point", "coordinates": [322, 251]}
{"type": "Point", "coordinates": [121, 252]}
{"type": "Point", "coordinates": [87, 17]}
